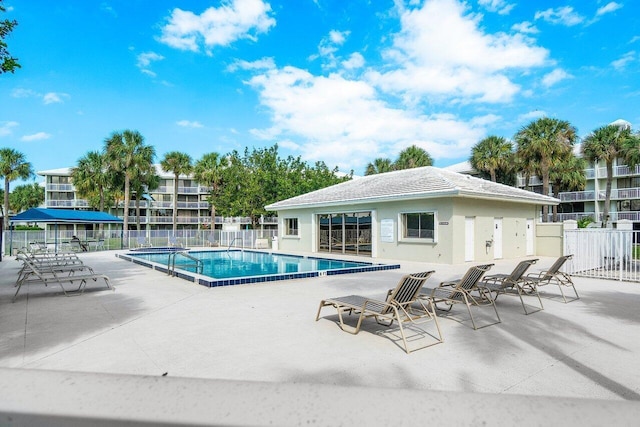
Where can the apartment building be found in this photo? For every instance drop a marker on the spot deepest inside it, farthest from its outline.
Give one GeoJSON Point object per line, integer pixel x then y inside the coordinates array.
{"type": "Point", "coordinates": [156, 207]}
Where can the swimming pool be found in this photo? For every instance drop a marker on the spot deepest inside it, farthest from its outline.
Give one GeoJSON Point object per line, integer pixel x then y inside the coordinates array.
{"type": "Point", "coordinates": [235, 267]}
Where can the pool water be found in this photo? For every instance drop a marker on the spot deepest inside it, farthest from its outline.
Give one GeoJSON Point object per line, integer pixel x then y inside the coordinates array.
{"type": "Point", "coordinates": [238, 267]}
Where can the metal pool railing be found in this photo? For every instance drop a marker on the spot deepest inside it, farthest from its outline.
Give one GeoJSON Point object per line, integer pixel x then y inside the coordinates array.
{"type": "Point", "coordinates": [603, 253]}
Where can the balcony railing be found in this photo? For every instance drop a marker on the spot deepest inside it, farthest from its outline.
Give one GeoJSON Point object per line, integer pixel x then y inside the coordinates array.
{"type": "Point", "coordinates": [534, 180]}
{"type": "Point", "coordinates": [67, 204]}
{"type": "Point", "coordinates": [577, 196]}
{"type": "Point", "coordinates": [59, 187]}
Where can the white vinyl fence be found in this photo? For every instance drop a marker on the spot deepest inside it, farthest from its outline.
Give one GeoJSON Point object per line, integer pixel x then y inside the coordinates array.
{"type": "Point", "coordinates": [23, 240]}
{"type": "Point", "coordinates": [603, 253]}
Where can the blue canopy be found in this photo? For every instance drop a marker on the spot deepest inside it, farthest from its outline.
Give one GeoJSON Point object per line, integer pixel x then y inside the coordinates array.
{"type": "Point", "coordinates": [64, 216]}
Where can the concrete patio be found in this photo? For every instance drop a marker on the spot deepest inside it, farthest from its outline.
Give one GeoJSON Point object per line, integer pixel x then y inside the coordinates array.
{"type": "Point", "coordinates": [153, 325]}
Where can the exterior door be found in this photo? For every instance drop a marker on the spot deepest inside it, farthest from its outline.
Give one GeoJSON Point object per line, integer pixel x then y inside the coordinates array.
{"type": "Point", "coordinates": [497, 238]}
{"type": "Point", "coordinates": [469, 238]}
{"type": "Point", "coordinates": [529, 237]}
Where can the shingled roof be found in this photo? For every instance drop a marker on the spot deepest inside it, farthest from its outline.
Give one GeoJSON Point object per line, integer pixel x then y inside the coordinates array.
{"type": "Point", "coordinates": [419, 183]}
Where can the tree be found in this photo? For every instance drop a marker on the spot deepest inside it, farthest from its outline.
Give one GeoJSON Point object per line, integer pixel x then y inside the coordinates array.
{"type": "Point", "coordinates": [144, 181]}
{"type": "Point", "coordinates": [568, 175]}
{"type": "Point", "coordinates": [26, 196]}
{"type": "Point", "coordinates": [125, 153]}
{"type": "Point", "coordinates": [413, 157]}
{"type": "Point", "coordinates": [7, 62]}
{"type": "Point", "coordinates": [492, 154]}
{"type": "Point", "coordinates": [91, 178]}
{"type": "Point", "coordinates": [379, 165]}
{"type": "Point", "coordinates": [605, 144]}
{"type": "Point", "coordinates": [13, 165]}
{"type": "Point", "coordinates": [541, 143]}
{"type": "Point", "coordinates": [208, 172]}
{"type": "Point", "coordinates": [179, 164]}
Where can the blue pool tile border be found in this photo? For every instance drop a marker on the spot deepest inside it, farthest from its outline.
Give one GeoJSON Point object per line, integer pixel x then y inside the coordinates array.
{"type": "Point", "coordinates": [213, 283]}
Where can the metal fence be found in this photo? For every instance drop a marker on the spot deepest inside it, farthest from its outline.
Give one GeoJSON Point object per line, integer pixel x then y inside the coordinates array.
{"type": "Point", "coordinates": [603, 253]}
{"type": "Point", "coordinates": [60, 240]}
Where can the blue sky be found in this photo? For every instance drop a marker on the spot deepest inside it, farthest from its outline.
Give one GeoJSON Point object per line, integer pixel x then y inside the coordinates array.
{"type": "Point", "coordinates": [333, 80]}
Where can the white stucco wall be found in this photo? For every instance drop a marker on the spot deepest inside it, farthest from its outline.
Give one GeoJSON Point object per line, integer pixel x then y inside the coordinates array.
{"type": "Point", "coordinates": [449, 247]}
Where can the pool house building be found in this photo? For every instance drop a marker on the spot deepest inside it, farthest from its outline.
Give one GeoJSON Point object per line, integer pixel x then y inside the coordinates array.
{"type": "Point", "coordinates": [424, 214]}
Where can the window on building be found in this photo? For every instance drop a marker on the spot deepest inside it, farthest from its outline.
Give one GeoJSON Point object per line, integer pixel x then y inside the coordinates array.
{"type": "Point", "coordinates": [291, 226]}
{"type": "Point", "coordinates": [419, 225]}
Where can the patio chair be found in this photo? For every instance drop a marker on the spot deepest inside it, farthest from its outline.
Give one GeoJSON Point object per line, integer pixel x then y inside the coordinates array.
{"type": "Point", "coordinates": [514, 283]}
{"type": "Point", "coordinates": [142, 242]}
{"type": "Point", "coordinates": [37, 248]}
{"type": "Point", "coordinates": [49, 275]}
{"type": "Point", "coordinates": [175, 242]}
{"type": "Point", "coordinates": [211, 240]}
{"type": "Point", "coordinates": [553, 276]}
{"type": "Point", "coordinates": [465, 291]}
{"type": "Point", "coordinates": [65, 262]}
{"type": "Point", "coordinates": [401, 305]}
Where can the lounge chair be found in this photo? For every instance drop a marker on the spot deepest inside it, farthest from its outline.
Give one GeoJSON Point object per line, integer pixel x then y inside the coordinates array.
{"type": "Point", "coordinates": [401, 305]}
{"type": "Point", "coordinates": [175, 242]}
{"type": "Point", "coordinates": [61, 263]}
{"type": "Point", "coordinates": [514, 283]}
{"type": "Point", "coordinates": [142, 242]}
{"type": "Point", "coordinates": [553, 276]}
{"type": "Point", "coordinates": [466, 291]}
{"type": "Point", "coordinates": [48, 275]}
{"type": "Point", "coordinates": [211, 239]}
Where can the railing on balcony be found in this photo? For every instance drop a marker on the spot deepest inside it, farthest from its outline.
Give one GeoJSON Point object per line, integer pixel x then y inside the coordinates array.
{"type": "Point", "coordinates": [577, 196]}
{"type": "Point", "coordinates": [590, 173]}
{"type": "Point", "coordinates": [67, 204]}
{"type": "Point", "coordinates": [534, 180]}
{"type": "Point", "coordinates": [623, 193]}
{"type": "Point", "coordinates": [573, 216]}
{"type": "Point", "coordinates": [630, 215]}
{"type": "Point", "coordinates": [59, 187]}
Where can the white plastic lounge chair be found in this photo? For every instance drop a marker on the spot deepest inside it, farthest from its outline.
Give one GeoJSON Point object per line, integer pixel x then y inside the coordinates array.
{"type": "Point", "coordinates": [514, 284]}
{"type": "Point", "coordinates": [175, 242]}
{"type": "Point", "coordinates": [553, 276]}
{"type": "Point", "coordinates": [211, 240]}
{"type": "Point", "coordinates": [142, 242]}
{"type": "Point", "coordinates": [401, 305]}
{"type": "Point", "coordinates": [465, 291]}
{"type": "Point", "coordinates": [49, 275]}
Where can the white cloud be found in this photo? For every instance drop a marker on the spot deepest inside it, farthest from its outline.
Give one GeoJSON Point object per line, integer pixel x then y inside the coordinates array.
{"type": "Point", "coordinates": [145, 59]}
{"type": "Point", "coordinates": [23, 93]}
{"type": "Point", "coordinates": [328, 46]}
{"type": "Point", "coordinates": [35, 137]}
{"type": "Point", "coordinates": [189, 124]}
{"type": "Point", "coordinates": [608, 8]}
{"type": "Point", "coordinates": [106, 7]}
{"type": "Point", "coordinates": [233, 20]}
{"type": "Point", "coordinates": [53, 98]}
{"type": "Point", "coordinates": [525, 27]}
{"type": "Point", "coordinates": [6, 128]}
{"type": "Point", "coordinates": [345, 123]}
{"type": "Point", "coordinates": [554, 77]}
{"type": "Point", "coordinates": [625, 60]}
{"type": "Point", "coordinates": [356, 60]}
{"type": "Point", "coordinates": [561, 15]}
{"type": "Point", "coordinates": [500, 6]}
{"type": "Point", "coordinates": [442, 51]}
{"type": "Point", "coordinates": [260, 64]}
{"type": "Point", "coordinates": [531, 115]}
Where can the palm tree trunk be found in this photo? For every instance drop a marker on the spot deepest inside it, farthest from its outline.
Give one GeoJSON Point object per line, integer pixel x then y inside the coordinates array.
{"type": "Point", "coordinates": [6, 203]}
{"type": "Point", "coordinates": [138, 213]}
{"type": "Point", "coordinates": [607, 194]}
{"type": "Point", "coordinates": [545, 191]}
{"type": "Point", "coordinates": [127, 198]}
{"type": "Point", "coordinates": [175, 204]}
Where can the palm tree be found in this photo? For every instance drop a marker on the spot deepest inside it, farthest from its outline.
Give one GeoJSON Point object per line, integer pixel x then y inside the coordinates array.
{"type": "Point", "coordinates": [13, 165]}
{"type": "Point", "coordinates": [91, 178]}
{"type": "Point", "coordinates": [605, 143]}
{"type": "Point", "coordinates": [492, 154]}
{"type": "Point", "coordinates": [145, 180]}
{"type": "Point", "coordinates": [208, 172]}
{"type": "Point", "coordinates": [379, 165]}
{"type": "Point", "coordinates": [126, 152]}
{"type": "Point", "coordinates": [180, 164]}
{"type": "Point", "coordinates": [568, 175]}
{"type": "Point", "coordinates": [541, 143]}
{"type": "Point", "coordinates": [413, 157]}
